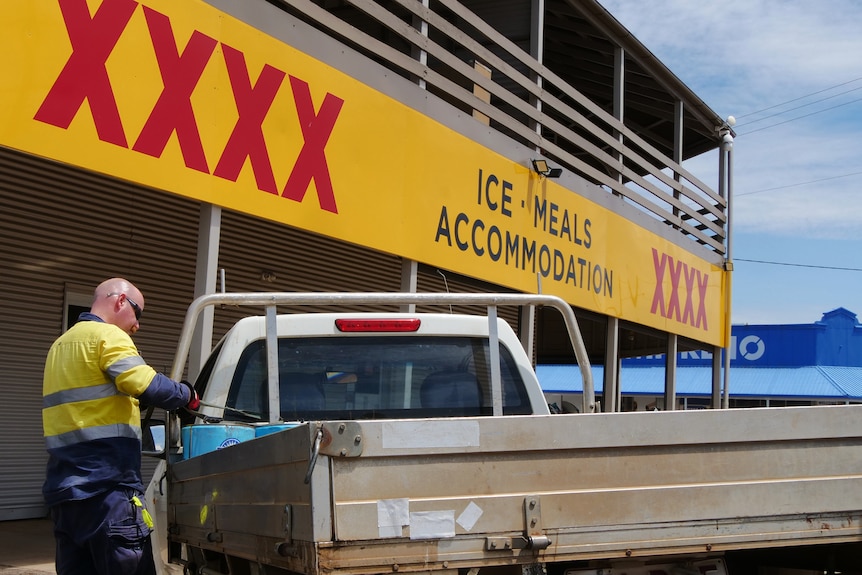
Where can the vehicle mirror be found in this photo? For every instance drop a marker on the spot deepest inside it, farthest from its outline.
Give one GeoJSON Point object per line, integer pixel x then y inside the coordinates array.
{"type": "Point", "coordinates": [153, 438]}
{"type": "Point", "coordinates": [341, 377]}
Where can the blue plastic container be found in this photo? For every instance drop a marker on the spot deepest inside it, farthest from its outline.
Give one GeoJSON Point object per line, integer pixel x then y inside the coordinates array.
{"type": "Point", "coordinates": [200, 439]}
{"type": "Point", "coordinates": [262, 430]}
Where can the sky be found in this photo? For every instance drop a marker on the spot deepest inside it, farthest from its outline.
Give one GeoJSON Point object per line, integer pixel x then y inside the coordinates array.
{"type": "Point", "coordinates": [790, 72]}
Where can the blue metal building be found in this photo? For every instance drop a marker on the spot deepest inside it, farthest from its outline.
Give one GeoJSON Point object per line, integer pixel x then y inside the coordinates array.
{"type": "Point", "coordinates": [770, 365]}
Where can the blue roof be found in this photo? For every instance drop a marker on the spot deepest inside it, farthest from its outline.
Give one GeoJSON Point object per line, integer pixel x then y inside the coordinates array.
{"type": "Point", "coordinates": [813, 382]}
{"type": "Point", "coordinates": [847, 378]}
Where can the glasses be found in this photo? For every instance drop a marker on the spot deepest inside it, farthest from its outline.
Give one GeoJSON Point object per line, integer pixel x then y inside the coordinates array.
{"type": "Point", "coordinates": [135, 307]}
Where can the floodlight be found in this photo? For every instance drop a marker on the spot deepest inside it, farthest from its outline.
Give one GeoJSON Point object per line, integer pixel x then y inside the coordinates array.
{"type": "Point", "coordinates": [541, 167]}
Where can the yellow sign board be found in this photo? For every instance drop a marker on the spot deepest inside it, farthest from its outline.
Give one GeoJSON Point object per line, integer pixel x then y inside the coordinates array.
{"type": "Point", "coordinates": [181, 97]}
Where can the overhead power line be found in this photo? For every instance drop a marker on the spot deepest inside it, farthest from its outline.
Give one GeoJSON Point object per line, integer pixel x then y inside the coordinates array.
{"type": "Point", "coordinates": [799, 98]}
{"type": "Point", "coordinates": [774, 106]}
{"type": "Point", "coordinates": [762, 118]}
{"type": "Point", "coordinates": [798, 184]}
{"type": "Point", "coordinates": [799, 117]}
{"type": "Point", "coordinates": [843, 269]}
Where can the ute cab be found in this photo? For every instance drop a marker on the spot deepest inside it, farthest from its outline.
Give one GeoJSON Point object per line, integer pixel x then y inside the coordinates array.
{"type": "Point", "coordinates": [365, 366]}
{"type": "Point", "coordinates": [305, 374]}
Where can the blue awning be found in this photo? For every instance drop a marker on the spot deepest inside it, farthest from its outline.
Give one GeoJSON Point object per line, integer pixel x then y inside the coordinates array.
{"type": "Point", "coordinates": [813, 382]}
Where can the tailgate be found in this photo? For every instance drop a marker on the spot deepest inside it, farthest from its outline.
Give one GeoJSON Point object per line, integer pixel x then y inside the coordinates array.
{"type": "Point", "coordinates": [416, 495]}
{"type": "Point", "coordinates": [570, 485]}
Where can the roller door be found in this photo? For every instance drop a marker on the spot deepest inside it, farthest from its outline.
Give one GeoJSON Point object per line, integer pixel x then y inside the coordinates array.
{"type": "Point", "coordinates": [63, 230]}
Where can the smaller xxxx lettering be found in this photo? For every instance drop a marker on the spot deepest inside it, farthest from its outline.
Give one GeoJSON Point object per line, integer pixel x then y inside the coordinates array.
{"type": "Point", "coordinates": [693, 291]}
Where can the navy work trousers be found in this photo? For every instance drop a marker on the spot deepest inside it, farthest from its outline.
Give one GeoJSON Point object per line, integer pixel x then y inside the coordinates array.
{"type": "Point", "coordinates": [102, 535]}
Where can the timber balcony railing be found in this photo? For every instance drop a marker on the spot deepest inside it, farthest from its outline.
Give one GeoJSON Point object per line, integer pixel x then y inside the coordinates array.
{"type": "Point", "coordinates": [452, 53]}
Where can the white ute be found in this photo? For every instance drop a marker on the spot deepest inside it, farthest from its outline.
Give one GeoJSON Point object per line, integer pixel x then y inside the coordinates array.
{"type": "Point", "coordinates": [355, 443]}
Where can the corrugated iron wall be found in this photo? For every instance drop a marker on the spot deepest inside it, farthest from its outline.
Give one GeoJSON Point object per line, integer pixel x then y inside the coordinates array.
{"type": "Point", "coordinates": [63, 229]}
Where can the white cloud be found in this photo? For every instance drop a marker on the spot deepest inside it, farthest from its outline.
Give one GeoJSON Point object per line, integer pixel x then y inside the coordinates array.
{"type": "Point", "coordinates": [742, 56]}
{"type": "Point", "coordinates": [762, 45]}
{"type": "Point", "coordinates": [787, 182]}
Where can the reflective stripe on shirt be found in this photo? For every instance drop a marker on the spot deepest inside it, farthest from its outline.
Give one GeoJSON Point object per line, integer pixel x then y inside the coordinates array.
{"type": "Point", "coordinates": [93, 433]}
{"type": "Point", "coordinates": [80, 394]}
{"type": "Point", "coordinates": [123, 365]}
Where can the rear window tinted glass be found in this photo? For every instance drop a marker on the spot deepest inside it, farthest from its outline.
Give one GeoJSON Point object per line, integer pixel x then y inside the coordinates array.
{"type": "Point", "coordinates": [375, 377]}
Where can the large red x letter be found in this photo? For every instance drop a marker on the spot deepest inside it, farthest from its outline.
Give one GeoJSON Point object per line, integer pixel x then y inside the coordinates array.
{"type": "Point", "coordinates": [252, 103]}
{"type": "Point", "coordinates": [311, 163]}
{"type": "Point", "coordinates": [84, 76]}
{"type": "Point", "coordinates": [702, 281]}
{"type": "Point", "coordinates": [658, 294]}
{"type": "Point", "coordinates": [688, 310]}
{"type": "Point", "coordinates": [173, 110]}
{"type": "Point", "coordinates": [673, 302]}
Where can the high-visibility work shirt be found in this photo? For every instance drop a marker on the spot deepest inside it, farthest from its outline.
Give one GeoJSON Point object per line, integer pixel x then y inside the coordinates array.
{"type": "Point", "coordinates": [94, 378]}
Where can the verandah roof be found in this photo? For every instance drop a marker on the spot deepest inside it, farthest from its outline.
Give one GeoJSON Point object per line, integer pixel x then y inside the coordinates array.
{"type": "Point", "coordinates": [812, 382]}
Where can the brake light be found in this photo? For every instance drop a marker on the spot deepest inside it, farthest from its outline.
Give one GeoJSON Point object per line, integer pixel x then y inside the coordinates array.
{"type": "Point", "coordinates": [378, 325]}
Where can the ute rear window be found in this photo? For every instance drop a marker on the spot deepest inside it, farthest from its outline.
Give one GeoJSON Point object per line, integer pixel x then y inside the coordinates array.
{"type": "Point", "coordinates": [375, 377]}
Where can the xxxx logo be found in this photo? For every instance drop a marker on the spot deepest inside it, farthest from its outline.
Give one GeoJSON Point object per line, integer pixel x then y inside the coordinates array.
{"type": "Point", "coordinates": [85, 77]}
{"type": "Point", "coordinates": [685, 282]}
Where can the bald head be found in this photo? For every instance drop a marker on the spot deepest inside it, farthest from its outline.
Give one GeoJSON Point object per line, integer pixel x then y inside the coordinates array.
{"type": "Point", "coordinates": [115, 301]}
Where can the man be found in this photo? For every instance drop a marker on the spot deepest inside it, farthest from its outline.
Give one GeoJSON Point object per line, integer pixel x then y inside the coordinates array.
{"type": "Point", "coordinates": [94, 379]}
